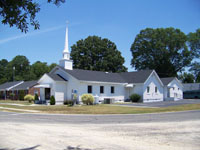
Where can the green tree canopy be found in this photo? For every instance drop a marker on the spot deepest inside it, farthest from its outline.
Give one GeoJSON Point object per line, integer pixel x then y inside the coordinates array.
{"type": "Point", "coordinates": [187, 77]}
{"type": "Point", "coordinates": [39, 68]}
{"type": "Point", "coordinates": [19, 66]}
{"type": "Point", "coordinates": [21, 13]}
{"type": "Point", "coordinates": [20, 69]}
{"type": "Point", "coordinates": [52, 66]}
{"type": "Point", "coordinates": [195, 69]}
{"type": "Point", "coordinates": [164, 50]}
{"type": "Point", "coordinates": [194, 42]}
{"type": "Point", "coordinates": [95, 53]}
{"type": "Point", "coordinates": [3, 66]}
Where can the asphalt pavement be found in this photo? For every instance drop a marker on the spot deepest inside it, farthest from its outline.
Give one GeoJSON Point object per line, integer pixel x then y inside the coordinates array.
{"type": "Point", "coordinates": [99, 119]}
{"type": "Point", "coordinates": [163, 104]}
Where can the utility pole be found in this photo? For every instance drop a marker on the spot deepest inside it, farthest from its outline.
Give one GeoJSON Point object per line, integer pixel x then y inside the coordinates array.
{"type": "Point", "coordinates": [13, 73]}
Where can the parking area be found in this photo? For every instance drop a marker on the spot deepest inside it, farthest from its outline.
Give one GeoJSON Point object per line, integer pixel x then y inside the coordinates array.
{"type": "Point", "coordinates": [163, 104]}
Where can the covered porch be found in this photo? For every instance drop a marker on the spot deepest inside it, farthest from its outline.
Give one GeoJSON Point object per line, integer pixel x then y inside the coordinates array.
{"type": "Point", "coordinates": [45, 92]}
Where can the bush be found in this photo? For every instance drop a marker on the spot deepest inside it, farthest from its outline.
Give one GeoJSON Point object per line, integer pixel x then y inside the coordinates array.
{"type": "Point", "coordinates": [21, 95]}
{"type": "Point", "coordinates": [87, 99]}
{"type": "Point", "coordinates": [1, 95]}
{"type": "Point", "coordinates": [74, 96]}
{"type": "Point", "coordinates": [36, 97]}
{"type": "Point", "coordinates": [68, 102]}
{"type": "Point", "coordinates": [135, 97]}
{"type": "Point", "coordinates": [52, 100]}
{"type": "Point", "coordinates": [12, 95]}
{"type": "Point", "coordinates": [29, 98]}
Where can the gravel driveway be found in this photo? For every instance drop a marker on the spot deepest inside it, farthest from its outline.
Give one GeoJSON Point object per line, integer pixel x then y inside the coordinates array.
{"type": "Point", "coordinates": [151, 136]}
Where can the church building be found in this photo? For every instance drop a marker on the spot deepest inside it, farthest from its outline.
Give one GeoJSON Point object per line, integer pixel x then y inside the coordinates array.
{"type": "Point", "coordinates": [63, 82]}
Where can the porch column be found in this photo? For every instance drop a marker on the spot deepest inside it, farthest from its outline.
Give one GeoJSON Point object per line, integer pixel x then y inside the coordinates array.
{"type": "Point", "coordinates": [5, 95]}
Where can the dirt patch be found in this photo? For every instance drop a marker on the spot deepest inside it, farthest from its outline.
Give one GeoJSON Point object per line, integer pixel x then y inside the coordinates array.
{"type": "Point", "coordinates": [155, 136]}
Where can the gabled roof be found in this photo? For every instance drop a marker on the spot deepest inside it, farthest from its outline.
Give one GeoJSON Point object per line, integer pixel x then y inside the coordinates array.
{"type": "Point", "coordinates": [26, 85]}
{"type": "Point", "coordinates": [137, 76]}
{"type": "Point", "coordinates": [8, 85]}
{"type": "Point", "coordinates": [56, 77]}
{"type": "Point", "coordinates": [166, 81]}
{"type": "Point", "coordinates": [100, 76]}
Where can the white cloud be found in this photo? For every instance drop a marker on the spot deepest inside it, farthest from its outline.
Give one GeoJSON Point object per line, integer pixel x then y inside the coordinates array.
{"type": "Point", "coordinates": [2, 41]}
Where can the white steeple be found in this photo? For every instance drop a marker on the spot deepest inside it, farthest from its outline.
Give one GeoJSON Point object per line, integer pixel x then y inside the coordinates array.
{"type": "Point", "coordinates": [65, 61]}
{"type": "Point", "coordinates": [66, 54]}
{"type": "Point", "coordinates": [66, 40]}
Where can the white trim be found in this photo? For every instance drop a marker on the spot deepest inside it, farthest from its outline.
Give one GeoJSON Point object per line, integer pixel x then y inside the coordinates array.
{"type": "Point", "coordinates": [43, 77]}
{"type": "Point", "coordinates": [156, 76]}
{"type": "Point", "coordinates": [179, 82]}
{"type": "Point", "coordinates": [63, 70]}
{"type": "Point", "coordinates": [82, 81]}
{"type": "Point", "coordinates": [42, 86]}
{"type": "Point", "coordinates": [14, 86]}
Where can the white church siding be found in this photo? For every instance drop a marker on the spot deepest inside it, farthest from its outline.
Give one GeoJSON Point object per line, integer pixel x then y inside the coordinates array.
{"type": "Point", "coordinates": [136, 89]}
{"type": "Point", "coordinates": [60, 89]}
{"type": "Point", "coordinates": [153, 82]}
{"type": "Point", "coordinates": [118, 94]}
{"type": "Point", "coordinates": [45, 80]}
{"type": "Point", "coordinates": [72, 83]}
{"type": "Point", "coordinates": [173, 91]}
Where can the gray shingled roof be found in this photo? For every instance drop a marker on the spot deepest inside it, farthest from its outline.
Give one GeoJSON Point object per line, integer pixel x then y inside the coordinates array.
{"type": "Point", "coordinates": [137, 76]}
{"type": "Point", "coordinates": [100, 76]}
{"type": "Point", "coordinates": [8, 85]}
{"type": "Point", "coordinates": [191, 86]}
{"type": "Point", "coordinates": [56, 77]}
{"type": "Point", "coordinates": [166, 81]}
{"type": "Point", "coordinates": [25, 86]}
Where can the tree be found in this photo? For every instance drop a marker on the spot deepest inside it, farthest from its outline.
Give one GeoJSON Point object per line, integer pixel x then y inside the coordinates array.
{"type": "Point", "coordinates": [18, 68]}
{"type": "Point", "coordinates": [95, 53]}
{"type": "Point", "coordinates": [21, 12]}
{"type": "Point", "coordinates": [164, 50]}
{"type": "Point", "coordinates": [195, 69]}
{"type": "Point", "coordinates": [187, 77]}
{"type": "Point", "coordinates": [38, 69]}
{"type": "Point", "coordinates": [194, 42]}
{"type": "Point", "coordinates": [3, 65]}
{"type": "Point", "coordinates": [52, 66]}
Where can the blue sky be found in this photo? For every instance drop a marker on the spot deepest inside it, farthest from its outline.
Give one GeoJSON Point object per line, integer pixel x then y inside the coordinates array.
{"type": "Point", "coordinates": [118, 20]}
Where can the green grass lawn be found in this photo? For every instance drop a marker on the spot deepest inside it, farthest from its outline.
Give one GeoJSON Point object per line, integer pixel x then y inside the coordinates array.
{"type": "Point", "coordinates": [102, 109]}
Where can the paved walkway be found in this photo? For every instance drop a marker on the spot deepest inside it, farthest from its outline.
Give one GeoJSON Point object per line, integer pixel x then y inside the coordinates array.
{"type": "Point", "coordinates": [162, 104]}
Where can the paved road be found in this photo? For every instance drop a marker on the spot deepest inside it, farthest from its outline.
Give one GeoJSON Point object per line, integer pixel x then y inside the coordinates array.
{"type": "Point", "coordinates": [164, 103]}
{"type": "Point", "coordinates": [99, 119]}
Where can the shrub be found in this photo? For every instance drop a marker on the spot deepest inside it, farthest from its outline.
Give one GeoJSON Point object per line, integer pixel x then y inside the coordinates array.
{"type": "Point", "coordinates": [1, 95]}
{"type": "Point", "coordinates": [21, 95]}
{"type": "Point", "coordinates": [74, 96]}
{"type": "Point", "coordinates": [29, 98]}
{"type": "Point", "coordinates": [52, 100]}
{"type": "Point", "coordinates": [87, 99]}
{"type": "Point", "coordinates": [12, 95]}
{"type": "Point", "coordinates": [135, 97]}
{"type": "Point", "coordinates": [36, 97]}
{"type": "Point", "coordinates": [68, 102]}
